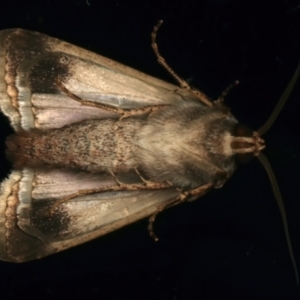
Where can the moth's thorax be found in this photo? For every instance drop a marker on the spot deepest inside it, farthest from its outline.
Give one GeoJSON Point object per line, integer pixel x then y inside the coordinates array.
{"type": "Point", "coordinates": [188, 145]}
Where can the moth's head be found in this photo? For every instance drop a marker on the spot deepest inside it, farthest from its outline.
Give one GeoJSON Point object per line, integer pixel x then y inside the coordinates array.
{"type": "Point", "coordinates": [246, 143]}
{"type": "Point", "coordinates": [243, 142]}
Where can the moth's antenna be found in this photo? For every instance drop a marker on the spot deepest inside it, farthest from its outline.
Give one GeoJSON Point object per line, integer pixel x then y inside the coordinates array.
{"type": "Point", "coordinates": [262, 130]}
{"type": "Point", "coordinates": [264, 161]}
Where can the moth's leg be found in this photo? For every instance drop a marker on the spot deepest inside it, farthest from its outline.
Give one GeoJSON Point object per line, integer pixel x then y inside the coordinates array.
{"type": "Point", "coordinates": [147, 182]}
{"type": "Point", "coordinates": [146, 185]}
{"type": "Point", "coordinates": [183, 84]}
{"type": "Point", "coordinates": [120, 186]}
{"type": "Point", "coordinates": [123, 112]}
{"type": "Point", "coordinates": [183, 196]}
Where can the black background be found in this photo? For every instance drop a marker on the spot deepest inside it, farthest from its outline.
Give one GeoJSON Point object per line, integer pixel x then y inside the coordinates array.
{"type": "Point", "coordinates": [229, 244]}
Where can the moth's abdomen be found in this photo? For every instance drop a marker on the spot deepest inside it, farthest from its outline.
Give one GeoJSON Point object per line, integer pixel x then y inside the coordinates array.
{"type": "Point", "coordinates": [92, 146]}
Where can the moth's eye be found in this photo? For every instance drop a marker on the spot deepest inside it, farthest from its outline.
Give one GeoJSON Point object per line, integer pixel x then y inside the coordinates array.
{"type": "Point", "coordinates": [245, 131]}
{"type": "Point", "coordinates": [242, 130]}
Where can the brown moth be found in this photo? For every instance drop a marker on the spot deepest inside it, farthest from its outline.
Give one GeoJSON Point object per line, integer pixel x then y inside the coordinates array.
{"type": "Point", "coordinates": [99, 145]}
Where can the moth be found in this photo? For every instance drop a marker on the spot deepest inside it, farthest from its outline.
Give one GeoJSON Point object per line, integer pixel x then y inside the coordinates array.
{"type": "Point", "coordinates": [99, 145]}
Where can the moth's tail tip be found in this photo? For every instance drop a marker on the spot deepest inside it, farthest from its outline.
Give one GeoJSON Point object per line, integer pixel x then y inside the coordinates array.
{"type": "Point", "coordinates": [17, 148]}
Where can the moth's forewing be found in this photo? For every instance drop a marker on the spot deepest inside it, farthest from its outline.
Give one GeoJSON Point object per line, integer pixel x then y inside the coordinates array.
{"type": "Point", "coordinates": [29, 231]}
{"type": "Point", "coordinates": [30, 65]}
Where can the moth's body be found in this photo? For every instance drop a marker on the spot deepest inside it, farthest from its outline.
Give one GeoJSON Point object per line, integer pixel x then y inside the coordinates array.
{"type": "Point", "coordinates": [187, 145]}
{"type": "Point", "coordinates": [62, 146]}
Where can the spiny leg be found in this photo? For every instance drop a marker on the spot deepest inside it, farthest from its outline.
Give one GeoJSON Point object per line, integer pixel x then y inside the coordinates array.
{"type": "Point", "coordinates": [123, 112]}
{"type": "Point", "coordinates": [183, 196]}
{"type": "Point", "coordinates": [183, 84]}
{"type": "Point", "coordinates": [146, 185]}
{"type": "Point", "coordinates": [149, 182]}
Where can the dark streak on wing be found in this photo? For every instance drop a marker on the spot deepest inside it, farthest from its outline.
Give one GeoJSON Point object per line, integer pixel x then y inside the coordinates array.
{"type": "Point", "coordinates": [22, 247]}
{"type": "Point", "coordinates": [51, 224]}
{"type": "Point", "coordinates": [29, 52]}
{"type": "Point", "coordinates": [45, 72]}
